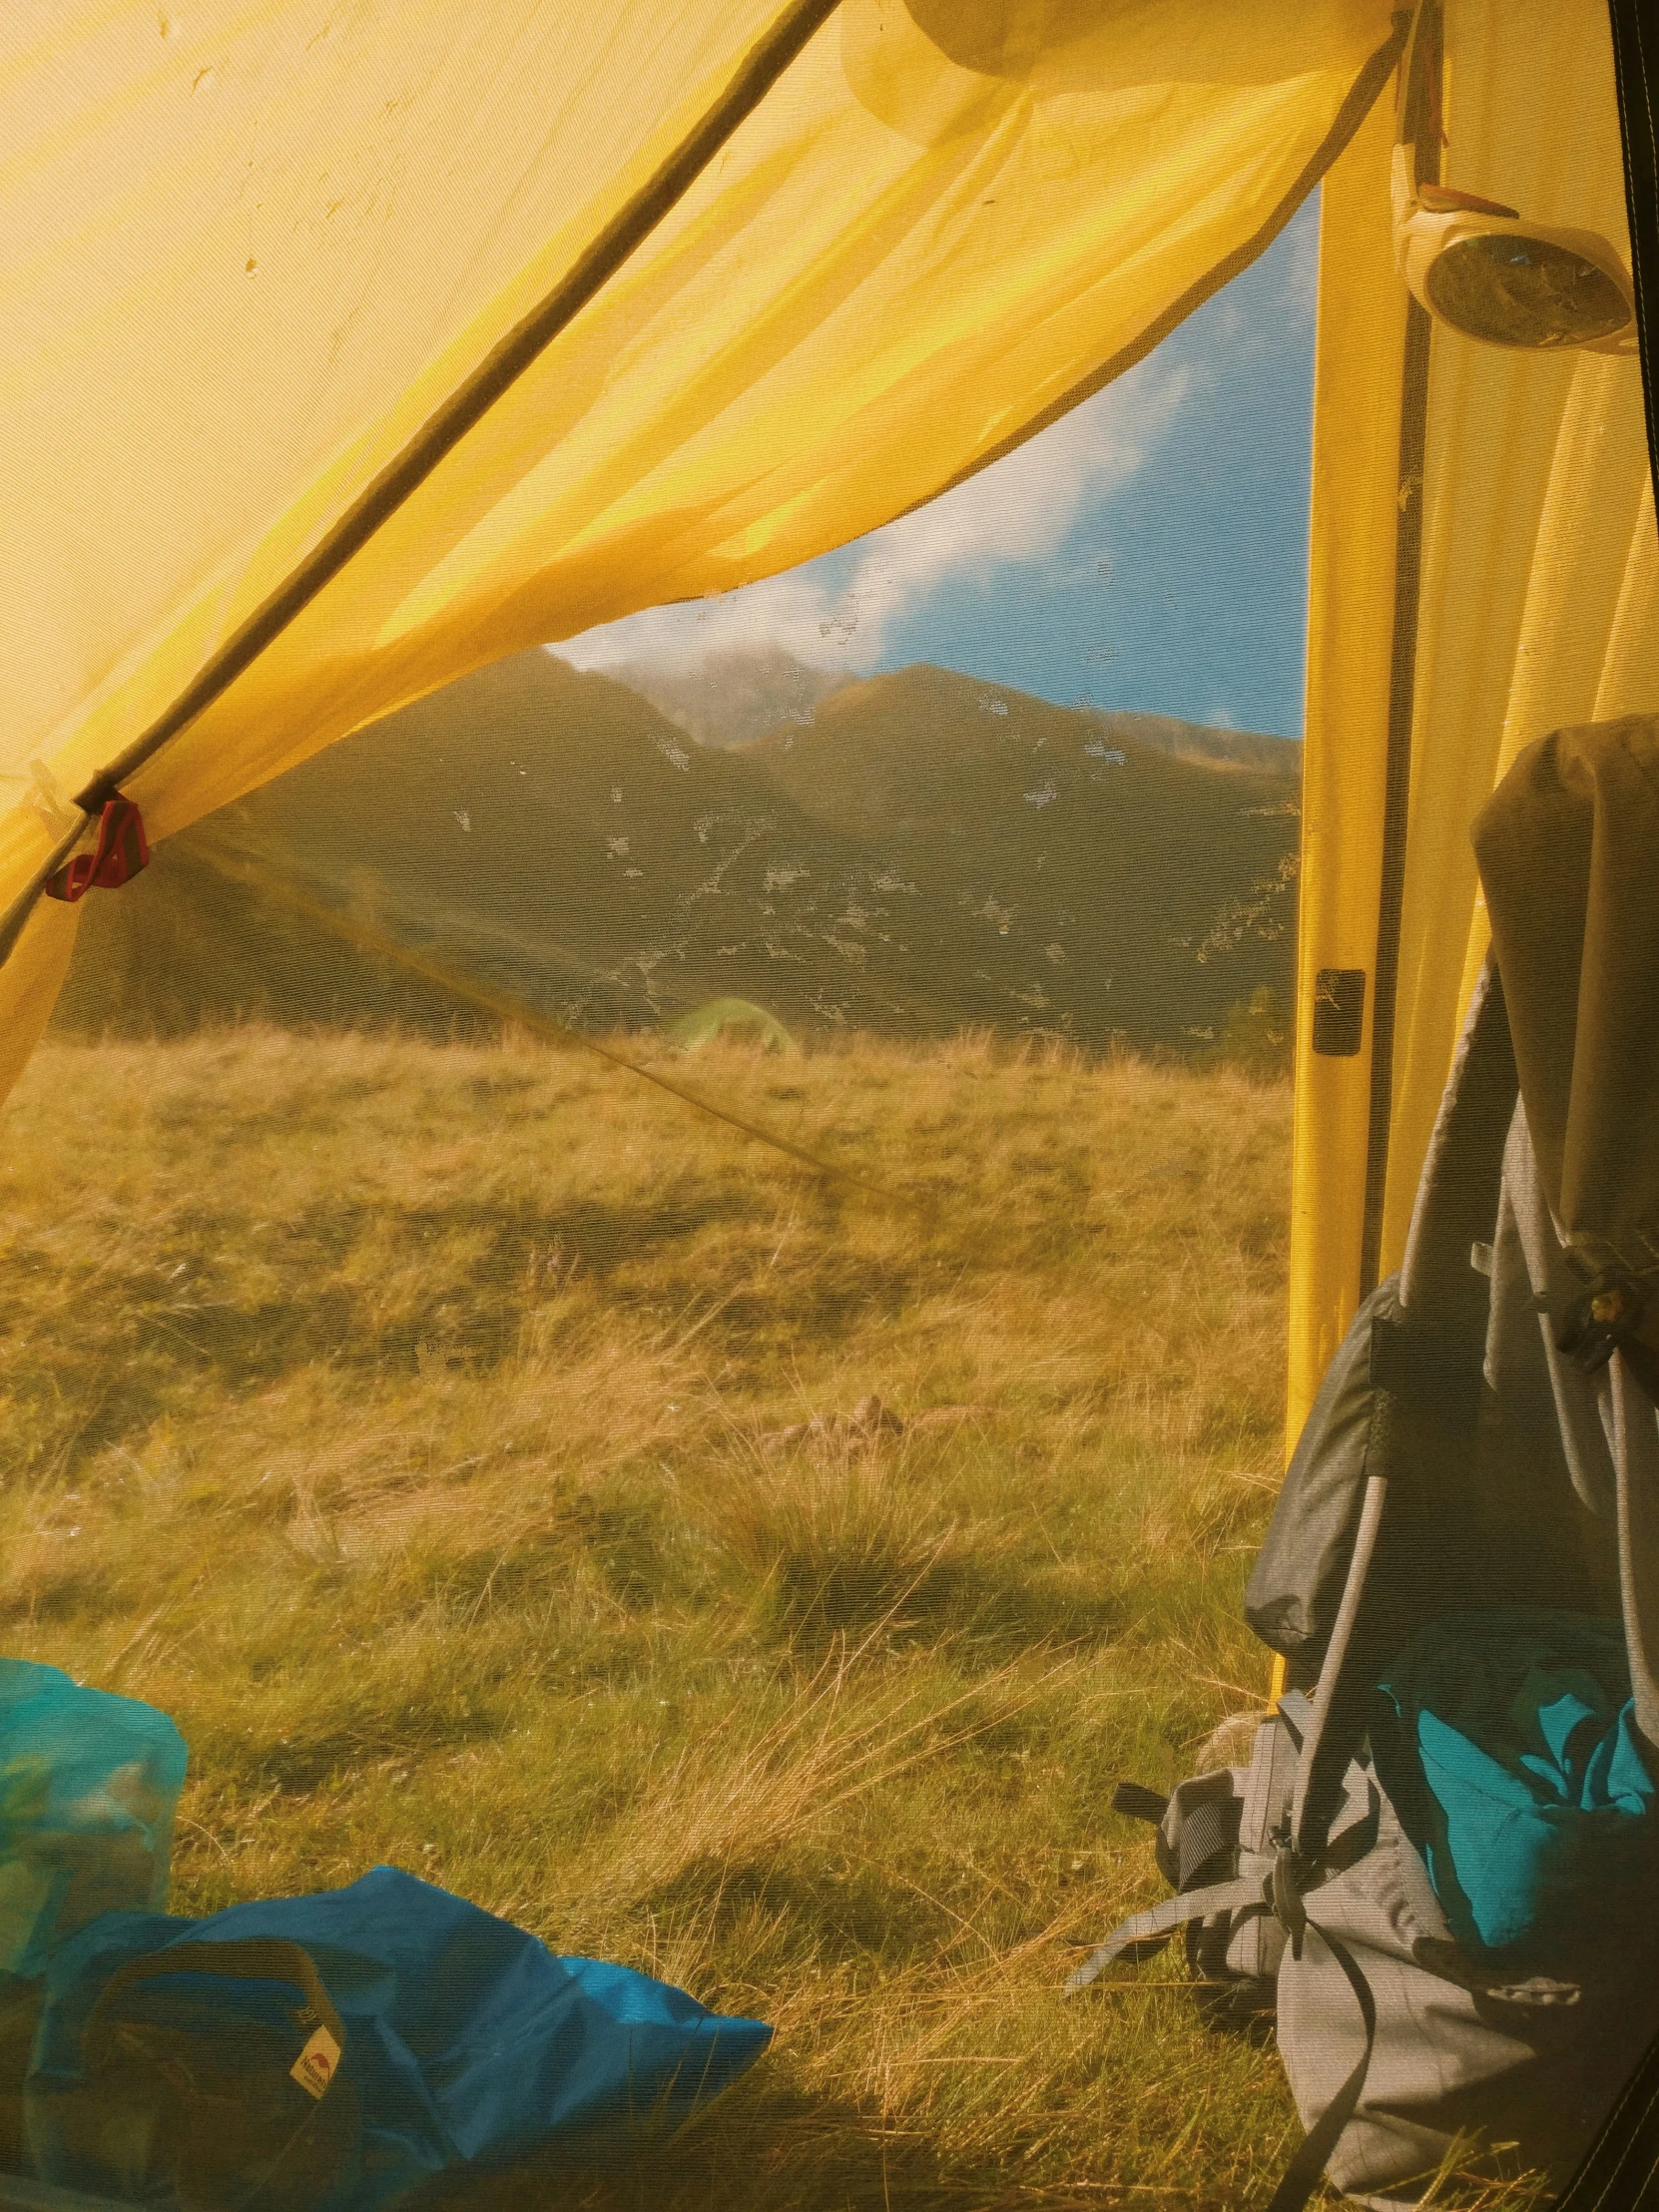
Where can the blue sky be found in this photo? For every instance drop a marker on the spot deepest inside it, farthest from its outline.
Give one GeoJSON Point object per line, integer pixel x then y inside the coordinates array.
{"type": "Point", "coordinates": [1150, 551]}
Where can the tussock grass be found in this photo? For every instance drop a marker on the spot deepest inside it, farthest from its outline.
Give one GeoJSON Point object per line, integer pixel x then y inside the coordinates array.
{"type": "Point", "coordinates": [395, 1416]}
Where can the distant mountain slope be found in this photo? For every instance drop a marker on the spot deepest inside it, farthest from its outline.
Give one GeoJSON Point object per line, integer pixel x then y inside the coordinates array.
{"type": "Point", "coordinates": [738, 693]}
{"type": "Point", "coordinates": [931, 851]}
{"type": "Point", "coordinates": [1049, 861]}
{"type": "Point", "coordinates": [1200, 740]}
{"type": "Point", "coordinates": [732, 693]}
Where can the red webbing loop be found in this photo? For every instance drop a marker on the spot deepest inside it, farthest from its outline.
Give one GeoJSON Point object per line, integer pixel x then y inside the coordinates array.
{"type": "Point", "coordinates": [122, 849]}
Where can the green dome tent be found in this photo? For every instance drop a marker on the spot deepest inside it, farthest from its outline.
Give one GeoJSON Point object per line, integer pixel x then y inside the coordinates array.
{"type": "Point", "coordinates": [725, 1017]}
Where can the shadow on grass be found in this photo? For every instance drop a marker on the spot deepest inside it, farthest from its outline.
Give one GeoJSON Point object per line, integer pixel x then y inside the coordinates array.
{"type": "Point", "coordinates": [768, 2146]}
{"type": "Point", "coordinates": [845, 1912]}
{"type": "Point", "coordinates": [154, 1319]}
{"type": "Point", "coordinates": [814, 1598]}
{"type": "Point", "coordinates": [830, 1546]}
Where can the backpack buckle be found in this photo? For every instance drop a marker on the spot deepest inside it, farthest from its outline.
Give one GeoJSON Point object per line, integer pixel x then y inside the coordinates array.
{"type": "Point", "coordinates": [1288, 1908]}
{"type": "Point", "coordinates": [1605, 1315]}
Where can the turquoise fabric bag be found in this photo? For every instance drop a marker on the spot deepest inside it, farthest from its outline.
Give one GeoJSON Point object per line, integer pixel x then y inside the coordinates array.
{"type": "Point", "coordinates": [1506, 1740]}
{"type": "Point", "coordinates": [89, 1787]}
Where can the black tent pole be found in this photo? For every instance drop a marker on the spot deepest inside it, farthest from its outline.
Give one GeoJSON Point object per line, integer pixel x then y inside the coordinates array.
{"type": "Point", "coordinates": [1419, 113]}
{"type": "Point", "coordinates": [1636, 71]}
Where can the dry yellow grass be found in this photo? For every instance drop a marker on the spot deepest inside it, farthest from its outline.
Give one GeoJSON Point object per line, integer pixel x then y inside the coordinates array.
{"type": "Point", "coordinates": [394, 1415]}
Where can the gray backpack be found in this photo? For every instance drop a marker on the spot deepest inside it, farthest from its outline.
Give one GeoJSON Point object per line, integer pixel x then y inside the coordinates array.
{"type": "Point", "coordinates": [1399, 2048]}
{"type": "Point", "coordinates": [1457, 1456]}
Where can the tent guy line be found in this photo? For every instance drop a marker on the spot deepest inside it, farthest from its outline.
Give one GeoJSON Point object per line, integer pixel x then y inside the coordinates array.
{"type": "Point", "coordinates": [495, 376]}
{"type": "Point", "coordinates": [520, 1014]}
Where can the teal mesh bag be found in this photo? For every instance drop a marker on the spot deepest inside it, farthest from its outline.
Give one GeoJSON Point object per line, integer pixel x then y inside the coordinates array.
{"type": "Point", "coordinates": [89, 1787]}
{"type": "Point", "coordinates": [1508, 1741]}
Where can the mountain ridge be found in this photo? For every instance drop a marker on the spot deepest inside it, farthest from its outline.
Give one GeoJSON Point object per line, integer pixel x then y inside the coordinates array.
{"type": "Point", "coordinates": [929, 853]}
{"type": "Point", "coordinates": [735, 695]}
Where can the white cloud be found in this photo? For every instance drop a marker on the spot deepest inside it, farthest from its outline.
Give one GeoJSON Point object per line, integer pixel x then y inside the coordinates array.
{"type": "Point", "coordinates": [1300, 252]}
{"type": "Point", "coordinates": [1021, 509]}
{"type": "Point", "coordinates": [1017, 512]}
{"type": "Point", "coordinates": [798, 610]}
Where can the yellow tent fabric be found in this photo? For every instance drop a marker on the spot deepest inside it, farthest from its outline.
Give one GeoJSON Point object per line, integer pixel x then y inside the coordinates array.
{"type": "Point", "coordinates": [1540, 598]}
{"type": "Point", "coordinates": [249, 249]}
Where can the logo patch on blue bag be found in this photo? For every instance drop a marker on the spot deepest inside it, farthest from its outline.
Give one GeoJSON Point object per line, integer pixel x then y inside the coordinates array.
{"type": "Point", "coordinates": [315, 2068]}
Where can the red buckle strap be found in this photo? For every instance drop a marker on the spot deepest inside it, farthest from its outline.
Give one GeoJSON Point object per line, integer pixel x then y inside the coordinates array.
{"type": "Point", "coordinates": [122, 849]}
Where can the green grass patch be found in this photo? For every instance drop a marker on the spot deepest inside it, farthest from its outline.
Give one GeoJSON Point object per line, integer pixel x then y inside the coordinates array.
{"type": "Point", "coordinates": [412, 1424]}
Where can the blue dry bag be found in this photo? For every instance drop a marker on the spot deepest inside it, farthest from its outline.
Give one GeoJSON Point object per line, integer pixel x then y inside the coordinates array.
{"type": "Point", "coordinates": [334, 2051]}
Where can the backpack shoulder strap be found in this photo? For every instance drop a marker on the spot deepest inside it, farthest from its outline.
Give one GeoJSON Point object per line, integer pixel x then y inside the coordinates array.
{"type": "Point", "coordinates": [1148, 1931]}
{"type": "Point", "coordinates": [1425, 1374]}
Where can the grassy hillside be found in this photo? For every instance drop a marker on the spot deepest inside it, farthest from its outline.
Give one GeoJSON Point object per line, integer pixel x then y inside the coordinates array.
{"type": "Point", "coordinates": [394, 1416]}
{"type": "Point", "coordinates": [413, 1423]}
{"type": "Point", "coordinates": [928, 855]}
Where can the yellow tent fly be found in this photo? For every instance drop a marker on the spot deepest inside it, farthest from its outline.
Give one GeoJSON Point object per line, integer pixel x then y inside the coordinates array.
{"type": "Point", "coordinates": [368, 346]}
{"type": "Point", "coordinates": [348, 349]}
